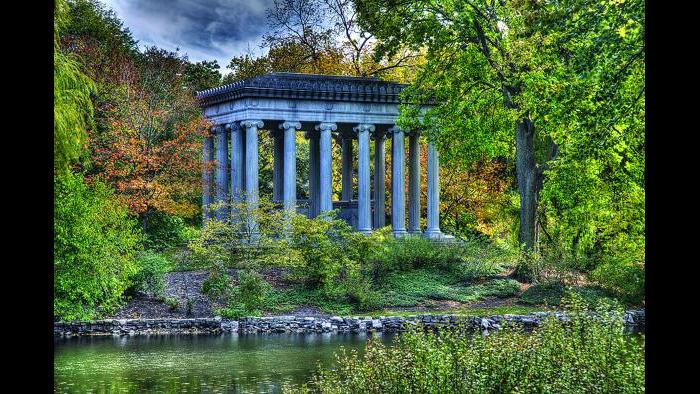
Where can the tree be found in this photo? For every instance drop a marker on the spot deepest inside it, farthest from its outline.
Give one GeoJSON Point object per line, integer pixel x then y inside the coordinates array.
{"type": "Point", "coordinates": [95, 245]}
{"type": "Point", "coordinates": [202, 75]}
{"type": "Point", "coordinates": [150, 149]}
{"type": "Point", "coordinates": [481, 60]}
{"type": "Point", "coordinates": [73, 112]}
{"type": "Point", "coordinates": [319, 37]}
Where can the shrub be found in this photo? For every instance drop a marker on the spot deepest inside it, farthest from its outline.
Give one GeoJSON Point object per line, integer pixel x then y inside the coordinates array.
{"type": "Point", "coordinates": [165, 231]}
{"type": "Point", "coordinates": [552, 293]}
{"type": "Point", "coordinates": [171, 303]}
{"type": "Point", "coordinates": [359, 290]}
{"type": "Point", "coordinates": [588, 355]}
{"type": "Point", "coordinates": [248, 298]}
{"type": "Point", "coordinates": [529, 267]}
{"type": "Point", "coordinates": [217, 285]}
{"type": "Point", "coordinates": [221, 244]}
{"type": "Point", "coordinates": [625, 279]}
{"type": "Point", "coordinates": [151, 277]}
{"type": "Point", "coordinates": [321, 243]}
{"type": "Point", "coordinates": [251, 290]}
{"type": "Point", "coordinates": [411, 252]}
{"type": "Point", "coordinates": [95, 245]}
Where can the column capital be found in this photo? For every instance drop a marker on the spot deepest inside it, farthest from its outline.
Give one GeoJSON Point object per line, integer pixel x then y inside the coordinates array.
{"type": "Point", "coordinates": [323, 126]}
{"type": "Point", "coordinates": [218, 128]}
{"type": "Point", "coordinates": [252, 123]}
{"type": "Point", "coordinates": [362, 127]}
{"type": "Point", "coordinates": [396, 129]}
{"type": "Point", "coordinates": [288, 125]}
{"type": "Point", "coordinates": [232, 126]}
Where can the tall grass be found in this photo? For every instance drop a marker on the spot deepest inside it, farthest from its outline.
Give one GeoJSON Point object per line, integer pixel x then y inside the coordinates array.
{"type": "Point", "coordinates": [585, 356]}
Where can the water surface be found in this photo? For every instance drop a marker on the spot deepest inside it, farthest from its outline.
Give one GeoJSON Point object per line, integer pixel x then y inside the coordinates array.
{"type": "Point", "coordinates": [228, 363]}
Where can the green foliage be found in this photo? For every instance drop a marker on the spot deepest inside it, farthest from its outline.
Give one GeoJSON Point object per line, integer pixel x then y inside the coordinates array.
{"type": "Point", "coordinates": [587, 355]}
{"type": "Point", "coordinates": [419, 286]}
{"type": "Point", "coordinates": [321, 244]}
{"type": "Point", "coordinates": [150, 278]}
{"type": "Point", "coordinates": [251, 291]}
{"type": "Point", "coordinates": [166, 231]}
{"type": "Point", "coordinates": [202, 75]}
{"type": "Point", "coordinates": [172, 303]}
{"type": "Point", "coordinates": [410, 252]}
{"type": "Point", "coordinates": [529, 266]}
{"type": "Point", "coordinates": [285, 300]}
{"type": "Point", "coordinates": [95, 245]}
{"type": "Point", "coordinates": [252, 244]}
{"type": "Point", "coordinates": [73, 109]}
{"type": "Point", "coordinates": [248, 298]}
{"type": "Point", "coordinates": [217, 285]}
{"type": "Point", "coordinates": [575, 69]}
{"type": "Point", "coordinates": [552, 293]}
{"type": "Point", "coordinates": [625, 279]}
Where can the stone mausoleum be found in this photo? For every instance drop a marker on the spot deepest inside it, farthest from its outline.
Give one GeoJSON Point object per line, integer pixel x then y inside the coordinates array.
{"type": "Point", "coordinates": [325, 108]}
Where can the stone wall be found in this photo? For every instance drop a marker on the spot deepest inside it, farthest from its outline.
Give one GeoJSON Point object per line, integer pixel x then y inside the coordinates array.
{"type": "Point", "coordinates": [634, 322]}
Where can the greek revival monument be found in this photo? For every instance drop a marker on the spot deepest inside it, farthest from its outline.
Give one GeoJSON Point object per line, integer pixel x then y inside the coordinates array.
{"type": "Point", "coordinates": [326, 108]}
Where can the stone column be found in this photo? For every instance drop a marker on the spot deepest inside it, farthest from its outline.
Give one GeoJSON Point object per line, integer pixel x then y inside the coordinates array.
{"type": "Point", "coordinates": [433, 230]}
{"type": "Point", "coordinates": [221, 171]}
{"type": "Point", "coordinates": [364, 213]}
{"type": "Point", "coordinates": [414, 183]}
{"type": "Point", "coordinates": [237, 168]}
{"type": "Point", "coordinates": [251, 168]}
{"type": "Point", "coordinates": [313, 173]}
{"type": "Point", "coordinates": [398, 198]}
{"type": "Point", "coordinates": [379, 187]}
{"type": "Point", "coordinates": [325, 183]}
{"type": "Point", "coordinates": [289, 193]}
{"type": "Point", "coordinates": [347, 182]}
{"type": "Point", "coordinates": [277, 167]}
{"type": "Point", "coordinates": [207, 176]}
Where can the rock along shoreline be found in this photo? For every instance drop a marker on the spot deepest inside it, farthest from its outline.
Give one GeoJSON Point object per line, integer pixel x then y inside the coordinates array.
{"type": "Point", "coordinates": [634, 322]}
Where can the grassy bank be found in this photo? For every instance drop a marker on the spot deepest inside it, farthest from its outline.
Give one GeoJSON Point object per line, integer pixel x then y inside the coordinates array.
{"type": "Point", "coordinates": [585, 356]}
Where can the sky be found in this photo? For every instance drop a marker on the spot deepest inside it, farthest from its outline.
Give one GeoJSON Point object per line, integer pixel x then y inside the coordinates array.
{"type": "Point", "coordinates": [204, 30]}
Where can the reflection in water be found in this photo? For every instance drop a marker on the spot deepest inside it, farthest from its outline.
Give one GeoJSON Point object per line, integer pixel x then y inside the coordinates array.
{"type": "Point", "coordinates": [196, 363]}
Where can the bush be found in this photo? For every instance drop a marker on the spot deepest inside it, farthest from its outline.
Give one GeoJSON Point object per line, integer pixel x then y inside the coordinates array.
{"type": "Point", "coordinates": [625, 279]}
{"type": "Point", "coordinates": [95, 245]}
{"type": "Point", "coordinates": [588, 355]}
{"type": "Point", "coordinates": [552, 292]}
{"type": "Point", "coordinates": [359, 290]}
{"type": "Point", "coordinates": [321, 243]}
{"type": "Point", "coordinates": [251, 290]}
{"type": "Point", "coordinates": [165, 231]}
{"type": "Point", "coordinates": [217, 285]}
{"type": "Point", "coordinates": [248, 298]}
{"type": "Point", "coordinates": [151, 277]}
{"type": "Point", "coordinates": [411, 252]}
{"type": "Point", "coordinates": [222, 245]}
{"type": "Point", "coordinates": [529, 267]}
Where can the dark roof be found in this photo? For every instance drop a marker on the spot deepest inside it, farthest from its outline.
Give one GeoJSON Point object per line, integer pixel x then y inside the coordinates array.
{"type": "Point", "coordinates": [305, 86]}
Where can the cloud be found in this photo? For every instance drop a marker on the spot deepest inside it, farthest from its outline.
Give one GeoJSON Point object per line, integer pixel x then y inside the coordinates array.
{"type": "Point", "coordinates": [204, 30]}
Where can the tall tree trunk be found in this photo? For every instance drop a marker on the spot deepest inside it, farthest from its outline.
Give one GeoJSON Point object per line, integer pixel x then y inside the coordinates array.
{"type": "Point", "coordinates": [527, 177]}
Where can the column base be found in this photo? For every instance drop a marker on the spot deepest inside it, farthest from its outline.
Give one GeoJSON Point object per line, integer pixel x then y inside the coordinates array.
{"type": "Point", "coordinates": [400, 233]}
{"type": "Point", "coordinates": [365, 231]}
{"type": "Point", "coordinates": [437, 234]}
{"type": "Point", "coordinates": [415, 232]}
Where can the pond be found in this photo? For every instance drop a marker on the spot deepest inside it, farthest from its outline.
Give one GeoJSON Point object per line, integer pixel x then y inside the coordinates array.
{"type": "Point", "coordinates": [196, 363]}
